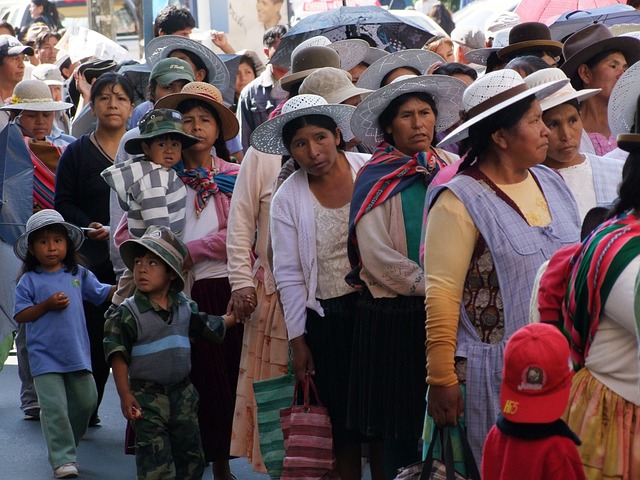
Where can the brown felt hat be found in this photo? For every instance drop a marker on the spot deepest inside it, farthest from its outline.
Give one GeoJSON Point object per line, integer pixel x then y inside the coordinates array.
{"type": "Point", "coordinates": [588, 42]}
{"type": "Point", "coordinates": [529, 36]}
{"type": "Point", "coordinates": [306, 61]}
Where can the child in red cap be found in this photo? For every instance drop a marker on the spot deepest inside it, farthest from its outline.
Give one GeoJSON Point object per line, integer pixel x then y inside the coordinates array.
{"type": "Point", "coordinates": [529, 440]}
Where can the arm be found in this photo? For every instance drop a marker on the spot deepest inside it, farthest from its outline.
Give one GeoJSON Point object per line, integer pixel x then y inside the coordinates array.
{"type": "Point", "coordinates": [57, 301]}
{"type": "Point", "coordinates": [220, 40]}
{"type": "Point", "coordinates": [449, 243]}
{"type": "Point", "coordinates": [128, 403]}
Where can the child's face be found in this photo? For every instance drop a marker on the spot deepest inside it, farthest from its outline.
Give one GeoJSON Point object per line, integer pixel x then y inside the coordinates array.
{"type": "Point", "coordinates": [166, 152]}
{"type": "Point", "coordinates": [50, 249]}
{"type": "Point", "coordinates": [152, 275]}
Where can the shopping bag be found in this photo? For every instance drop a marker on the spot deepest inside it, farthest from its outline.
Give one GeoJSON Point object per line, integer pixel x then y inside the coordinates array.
{"type": "Point", "coordinates": [271, 396]}
{"type": "Point", "coordinates": [434, 469]}
{"type": "Point", "coordinates": [308, 437]}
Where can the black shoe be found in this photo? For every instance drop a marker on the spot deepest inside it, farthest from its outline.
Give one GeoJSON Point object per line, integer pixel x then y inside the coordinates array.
{"type": "Point", "coordinates": [32, 414]}
{"type": "Point", "coordinates": [94, 421]}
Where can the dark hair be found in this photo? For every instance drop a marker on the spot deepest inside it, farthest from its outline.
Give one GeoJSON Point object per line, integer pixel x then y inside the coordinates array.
{"type": "Point", "coordinates": [480, 133]}
{"type": "Point", "coordinates": [249, 61]}
{"type": "Point", "coordinates": [455, 68]}
{"type": "Point", "coordinates": [383, 82]}
{"type": "Point", "coordinates": [196, 60]}
{"type": "Point", "coordinates": [576, 81]}
{"type": "Point", "coordinates": [389, 114]}
{"type": "Point", "coordinates": [442, 16]}
{"type": "Point", "coordinates": [592, 219]}
{"type": "Point", "coordinates": [272, 35]}
{"type": "Point", "coordinates": [71, 260]}
{"type": "Point", "coordinates": [139, 251]}
{"type": "Point", "coordinates": [44, 36]}
{"type": "Point", "coordinates": [111, 79]}
{"type": "Point", "coordinates": [171, 19]}
{"type": "Point", "coordinates": [628, 191]}
{"type": "Point", "coordinates": [494, 62]}
{"type": "Point", "coordinates": [322, 121]}
{"type": "Point", "coordinates": [8, 26]}
{"type": "Point", "coordinates": [220, 145]}
{"type": "Point", "coordinates": [528, 64]}
{"type": "Point", "coordinates": [50, 12]}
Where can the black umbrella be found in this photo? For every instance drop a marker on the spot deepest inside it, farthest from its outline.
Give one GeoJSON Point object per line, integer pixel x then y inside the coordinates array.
{"type": "Point", "coordinates": [378, 26]}
{"type": "Point", "coordinates": [571, 22]}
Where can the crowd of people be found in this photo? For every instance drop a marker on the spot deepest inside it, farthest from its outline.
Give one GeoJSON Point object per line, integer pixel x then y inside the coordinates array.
{"type": "Point", "coordinates": [439, 236]}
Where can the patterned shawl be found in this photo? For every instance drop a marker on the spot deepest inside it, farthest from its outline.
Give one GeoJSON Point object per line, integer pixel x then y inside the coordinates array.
{"type": "Point", "coordinates": [207, 182]}
{"type": "Point", "coordinates": [44, 157]}
{"type": "Point", "coordinates": [594, 269]}
{"type": "Point", "coordinates": [388, 173]}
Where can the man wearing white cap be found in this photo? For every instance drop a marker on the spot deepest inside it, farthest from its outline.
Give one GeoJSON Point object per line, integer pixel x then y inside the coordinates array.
{"type": "Point", "coordinates": [466, 38]}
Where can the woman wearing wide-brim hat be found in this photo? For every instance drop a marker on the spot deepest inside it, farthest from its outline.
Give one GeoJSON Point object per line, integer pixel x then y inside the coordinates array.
{"type": "Point", "coordinates": [594, 58]}
{"type": "Point", "coordinates": [531, 38]}
{"type": "Point", "coordinates": [210, 180]}
{"type": "Point", "coordinates": [309, 226]}
{"type": "Point", "coordinates": [387, 389]}
{"type": "Point", "coordinates": [389, 67]}
{"type": "Point", "coordinates": [488, 231]}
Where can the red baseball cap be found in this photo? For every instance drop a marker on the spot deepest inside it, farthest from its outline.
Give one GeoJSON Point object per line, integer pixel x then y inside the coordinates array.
{"type": "Point", "coordinates": [537, 375]}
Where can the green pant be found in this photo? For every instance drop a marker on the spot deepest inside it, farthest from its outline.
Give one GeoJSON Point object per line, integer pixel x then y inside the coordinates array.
{"type": "Point", "coordinates": [168, 442]}
{"type": "Point", "coordinates": [67, 401]}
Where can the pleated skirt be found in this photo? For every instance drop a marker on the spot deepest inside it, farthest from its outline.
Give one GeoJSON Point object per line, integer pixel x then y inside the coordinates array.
{"type": "Point", "coordinates": [388, 370]}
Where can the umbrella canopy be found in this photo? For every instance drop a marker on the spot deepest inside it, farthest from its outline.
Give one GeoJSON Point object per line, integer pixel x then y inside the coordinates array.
{"type": "Point", "coordinates": [569, 24]}
{"type": "Point", "coordinates": [380, 27]}
{"type": "Point", "coordinates": [547, 11]}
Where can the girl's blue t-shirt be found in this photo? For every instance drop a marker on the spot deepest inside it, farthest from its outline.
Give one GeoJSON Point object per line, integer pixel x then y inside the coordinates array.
{"type": "Point", "coordinates": [58, 341]}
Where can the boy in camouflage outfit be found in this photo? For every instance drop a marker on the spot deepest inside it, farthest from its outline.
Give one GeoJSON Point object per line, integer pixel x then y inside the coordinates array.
{"type": "Point", "coordinates": [147, 343]}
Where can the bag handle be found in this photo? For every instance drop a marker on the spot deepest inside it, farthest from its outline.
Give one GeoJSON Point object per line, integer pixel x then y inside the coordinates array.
{"type": "Point", "coordinates": [305, 385]}
{"type": "Point", "coordinates": [444, 436]}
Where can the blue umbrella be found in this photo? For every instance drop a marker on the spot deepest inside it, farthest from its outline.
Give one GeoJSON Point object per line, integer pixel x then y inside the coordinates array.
{"type": "Point", "coordinates": [571, 22]}
{"type": "Point", "coordinates": [378, 26]}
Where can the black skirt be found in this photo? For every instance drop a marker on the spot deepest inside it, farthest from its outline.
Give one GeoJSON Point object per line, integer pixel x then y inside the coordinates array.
{"type": "Point", "coordinates": [330, 339]}
{"type": "Point", "coordinates": [388, 368]}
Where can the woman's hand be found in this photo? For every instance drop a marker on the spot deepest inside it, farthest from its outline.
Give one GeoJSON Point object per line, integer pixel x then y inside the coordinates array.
{"type": "Point", "coordinates": [83, 86]}
{"type": "Point", "coordinates": [301, 358]}
{"type": "Point", "coordinates": [445, 405]}
{"type": "Point", "coordinates": [243, 303]}
{"type": "Point", "coordinates": [98, 232]}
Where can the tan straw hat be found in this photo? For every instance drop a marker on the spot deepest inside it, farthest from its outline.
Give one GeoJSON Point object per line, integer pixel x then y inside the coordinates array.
{"type": "Point", "coordinates": [333, 84]}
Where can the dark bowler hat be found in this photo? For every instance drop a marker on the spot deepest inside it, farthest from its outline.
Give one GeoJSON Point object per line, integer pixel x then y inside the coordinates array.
{"type": "Point", "coordinates": [529, 36]}
{"type": "Point", "coordinates": [588, 42]}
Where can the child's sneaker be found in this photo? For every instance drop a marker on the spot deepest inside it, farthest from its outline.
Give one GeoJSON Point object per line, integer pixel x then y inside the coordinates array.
{"type": "Point", "coordinates": [68, 470]}
{"type": "Point", "coordinates": [32, 414]}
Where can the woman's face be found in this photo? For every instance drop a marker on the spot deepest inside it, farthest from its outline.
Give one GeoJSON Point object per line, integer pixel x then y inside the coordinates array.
{"type": "Point", "coordinates": [37, 123]}
{"type": "Point", "coordinates": [112, 107]}
{"type": "Point", "coordinates": [244, 76]}
{"type": "Point", "coordinates": [445, 50]}
{"type": "Point", "coordinates": [528, 140]}
{"type": "Point", "coordinates": [315, 149]}
{"type": "Point", "coordinates": [413, 126]}
{"type": "Point", "coordinates": [200, 123]}
{"type": "Point", "coordinates": [565, 127]}
{"type": "Point", "coordinates": [35, 11]}
{"type": "Point", "coordinates": [605, 74]}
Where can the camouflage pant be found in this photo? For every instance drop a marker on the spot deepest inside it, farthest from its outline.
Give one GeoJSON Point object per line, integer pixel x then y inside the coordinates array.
{"type": "Point", "coordinates": [168, 442]}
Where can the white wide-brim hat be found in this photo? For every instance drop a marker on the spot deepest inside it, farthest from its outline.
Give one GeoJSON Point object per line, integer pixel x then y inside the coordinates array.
{"type": "Point", "coordinates": [42, 219]}
{"type": "Point", "coordinates": [34, 95]}
{"type": "Point", "coordinates": [161, 47]}
{"type": "Point", "coordinates": [493, 92]}
{"type": "Point", "coordinates": [623, 101]}
{"type": "Point", "coordinates": [446, 92]}
{"type": "Point", "coordinates": [267, 137]}
{"type": "Point", "coordinates": [414, 58]}
{"type": "Point", "coordinates": [565, 94]}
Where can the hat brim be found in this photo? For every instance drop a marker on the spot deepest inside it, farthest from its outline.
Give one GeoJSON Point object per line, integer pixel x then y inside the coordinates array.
{"type": "Point", "coordinates": [629, 142]}
{"type": "Point", "coordinates": [446, 92]}
{"type": "Point", "coordinates": [346, 93]}
{"type": "Point", "coordinates": [17, 50]}
{"type": "Point", "coordinates": [133, 146]}
{"type": "Point", "coordinates": [126, 253]}
{"type": "Point", "coordinates": [552, 47]}
{"type": "Point", "coordinates": [351, 52]}
{"type": "Point", "coordinates": [39, 106]}
{"type": "Point", "coordinates": [541, 91]}
{"type": "Point", "coordinates": [579, 96]}
{"type": "Point", "coordinates": [230, 126]}
{"type": "Point", "coordinates": [479, 56]}
{"type": "Point", "coordinates": [419, 60]}
{"type": "Point", "coordinates": [545, 408]}
{"type": "Point", "coordinates": [168, 78]}
{"type": "Point", "coordinates": [162, 47]}
{"type": "Point", "coordinates": [21, 247]}
{"type": "Point", "coordinates": [622, 104]}
{"type": "Point", "coordinates": [629, 46]}
{"type": "Point", "coordinates": [267, 137]}
{"type": "Point", "coordinates": [290, 79]}
{"type": "Point", "coordinates": [53, 83]}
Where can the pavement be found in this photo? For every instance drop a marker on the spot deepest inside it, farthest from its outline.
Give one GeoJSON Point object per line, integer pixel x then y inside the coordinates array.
{"type": "Point", "coordinates": [23, 455]}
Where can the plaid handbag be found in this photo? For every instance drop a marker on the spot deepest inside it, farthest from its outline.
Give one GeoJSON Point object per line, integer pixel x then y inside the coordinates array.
{"type": "Point", "coordinates": [434, 469]}
{"type": "Point", "coordinates": [308, 437]}
{"type": "Point", "coordinates": [272, 395]}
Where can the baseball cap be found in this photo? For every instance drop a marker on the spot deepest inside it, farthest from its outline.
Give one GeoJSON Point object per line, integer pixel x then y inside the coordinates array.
{"type": "Point", "coordinates": [11, 46]}
{"type": "Point", "coordinates": [48, 73]}
{"type": "Point", "coordinates": [468, 35]}
{"type": "Point", "coordinates": [170, 69]}
{"type": "Point", "coordinates": [537, 374]}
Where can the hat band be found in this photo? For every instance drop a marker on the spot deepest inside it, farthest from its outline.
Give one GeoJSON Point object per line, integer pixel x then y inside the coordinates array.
{"type": "Point", "coordinates": [17, 100]}
{"type": "Point", "coordinates": [496, 100]}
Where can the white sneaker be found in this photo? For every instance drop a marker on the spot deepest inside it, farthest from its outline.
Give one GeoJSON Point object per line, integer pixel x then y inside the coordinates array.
{"type": "Point", "coordinates": [68, 470]}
